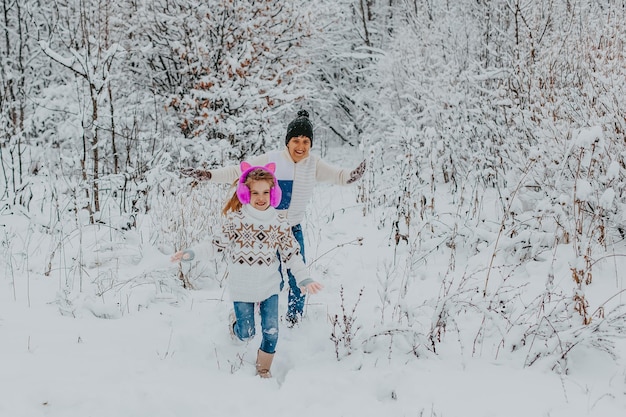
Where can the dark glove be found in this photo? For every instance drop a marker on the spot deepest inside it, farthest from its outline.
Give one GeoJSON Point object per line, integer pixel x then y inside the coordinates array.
{"type": "Point", "coordinates": [357, 173]}
{"type": "Point", "coordinates": [199, 174]}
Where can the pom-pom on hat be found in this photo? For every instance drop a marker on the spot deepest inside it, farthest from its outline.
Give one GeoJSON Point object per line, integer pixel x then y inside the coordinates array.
{"type": "Point", "coordinates": [300, 126]}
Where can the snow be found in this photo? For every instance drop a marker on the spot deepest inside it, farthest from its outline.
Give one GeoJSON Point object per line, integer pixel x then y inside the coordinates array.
{"type": "Point", "coordinates": [95, 322]}
{"type": "Point", "coordinates": [171, 354]}
{"type": "Point", "coordinates": [607, 199]}
{"type": "Point", "coordinates": [587, 137]}
{"type": "Point", "coordinates": [584, 190]}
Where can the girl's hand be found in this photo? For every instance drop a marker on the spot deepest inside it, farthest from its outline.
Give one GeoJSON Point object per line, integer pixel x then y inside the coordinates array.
{"type": "Point", "coordinates": [313, 288]}
{"type": "Point", "coordinates": [179, 256]}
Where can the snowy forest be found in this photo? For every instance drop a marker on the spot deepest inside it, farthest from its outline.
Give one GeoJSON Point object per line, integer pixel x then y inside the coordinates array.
{"type": "Point", "coordinates": [493, 130]}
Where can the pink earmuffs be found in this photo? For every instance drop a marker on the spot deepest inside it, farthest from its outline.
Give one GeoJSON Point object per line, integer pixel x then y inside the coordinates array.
{"type": "Point", "coordinates": [243, 192]}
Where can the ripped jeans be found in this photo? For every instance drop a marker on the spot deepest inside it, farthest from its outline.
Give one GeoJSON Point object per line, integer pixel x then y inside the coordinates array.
{"type": "Point", "coordinates": [245, 328]}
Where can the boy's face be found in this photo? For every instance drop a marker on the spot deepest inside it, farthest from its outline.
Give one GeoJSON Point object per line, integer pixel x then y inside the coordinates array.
{"type": "Point", "coordinates": [260, 194]}
{"type": "Point", "coordinates": [299, 147]}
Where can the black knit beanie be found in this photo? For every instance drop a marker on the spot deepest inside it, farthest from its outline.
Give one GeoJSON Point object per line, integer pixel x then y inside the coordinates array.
{"type": "Point", "coordinates": [300, 126]}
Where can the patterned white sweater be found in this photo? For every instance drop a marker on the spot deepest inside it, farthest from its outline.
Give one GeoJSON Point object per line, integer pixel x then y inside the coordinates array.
{"type": "Point", "coordinates": [296, 180]}
{"type": "Point", "coordinates": [251, 239]}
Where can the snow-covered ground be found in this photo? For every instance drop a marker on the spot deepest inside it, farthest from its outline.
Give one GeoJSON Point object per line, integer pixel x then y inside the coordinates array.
{"type": "Point", "coordinates": [174, 356]}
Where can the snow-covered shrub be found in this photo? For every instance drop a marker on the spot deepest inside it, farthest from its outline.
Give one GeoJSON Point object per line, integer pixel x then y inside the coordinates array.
{"type": "Point", "coordinates": [185, 219]}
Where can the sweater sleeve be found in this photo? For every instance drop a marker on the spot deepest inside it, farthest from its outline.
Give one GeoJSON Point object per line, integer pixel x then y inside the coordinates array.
{"type": "Point", "coordinates": [213, 247]}
{"type": "Point", "coordinates": [325, 172]}
{"type": "Point", "coordinates": [228, 175]}
{"type": "Point", "coordinates": [290, 254]}
{"type": "Point", "coordinates": [204, 250]}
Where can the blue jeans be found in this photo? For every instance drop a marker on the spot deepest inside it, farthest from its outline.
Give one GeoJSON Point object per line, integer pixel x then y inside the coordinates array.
{"type": "Point", "coordinates": [245, 328]}
{"type": "Point", "coordinates": [296, 299]}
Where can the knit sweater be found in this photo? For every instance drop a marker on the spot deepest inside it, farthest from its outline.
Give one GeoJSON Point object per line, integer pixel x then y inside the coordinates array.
{"type": "Point", "coordinates": [251, 239]}
{"type": "Point", "coordinates": [296, 180]}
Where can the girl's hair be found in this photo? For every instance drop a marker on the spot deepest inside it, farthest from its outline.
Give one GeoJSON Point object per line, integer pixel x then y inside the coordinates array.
{"type": "Point", "coordinates": [255, 175]}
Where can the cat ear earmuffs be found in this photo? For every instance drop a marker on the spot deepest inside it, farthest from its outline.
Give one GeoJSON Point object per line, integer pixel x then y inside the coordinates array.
{"type": "Point", "coordinates": [243, 192]}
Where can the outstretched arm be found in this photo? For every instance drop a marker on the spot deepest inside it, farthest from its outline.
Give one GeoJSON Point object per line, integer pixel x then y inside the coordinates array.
{"type": "Point", "coordinates": [207, 249]}
{"type": "Point", "coordinates": [328, 173]}
{"type": "Point", "coordinates": [199, 174]}
{"type": "Point", "coordinates": [225, 175]}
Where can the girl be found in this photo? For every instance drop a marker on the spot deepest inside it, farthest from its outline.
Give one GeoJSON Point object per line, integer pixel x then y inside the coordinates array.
{"type": "Point", "coordinates": [254, 235]}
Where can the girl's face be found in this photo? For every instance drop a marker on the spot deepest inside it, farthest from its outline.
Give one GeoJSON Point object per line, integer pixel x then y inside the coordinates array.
{"type": "Point", "coordinates": [260, 194]}
{"type": "Point", "coordinates": [299, 148]}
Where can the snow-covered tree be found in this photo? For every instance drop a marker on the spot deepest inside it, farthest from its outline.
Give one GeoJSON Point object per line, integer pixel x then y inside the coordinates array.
{"type": "Point", "coordinates": [225, 67]}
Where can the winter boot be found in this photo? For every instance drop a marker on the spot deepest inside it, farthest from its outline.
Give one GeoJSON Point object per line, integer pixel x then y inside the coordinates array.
{"type": "Point", "coordinates": [264, 363]}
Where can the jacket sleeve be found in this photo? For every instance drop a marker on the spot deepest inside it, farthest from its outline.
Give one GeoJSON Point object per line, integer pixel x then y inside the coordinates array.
{"type": "Point", "coordinates": [325, 172]}
{"type": "Point", "coordinates": [228, 175]}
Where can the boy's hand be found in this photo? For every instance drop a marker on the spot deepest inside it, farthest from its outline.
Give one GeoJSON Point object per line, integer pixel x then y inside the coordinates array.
{"type": "Point", "coordinates": [199, 174]}
{"type": "Point", "coordinates": [357, 173]}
